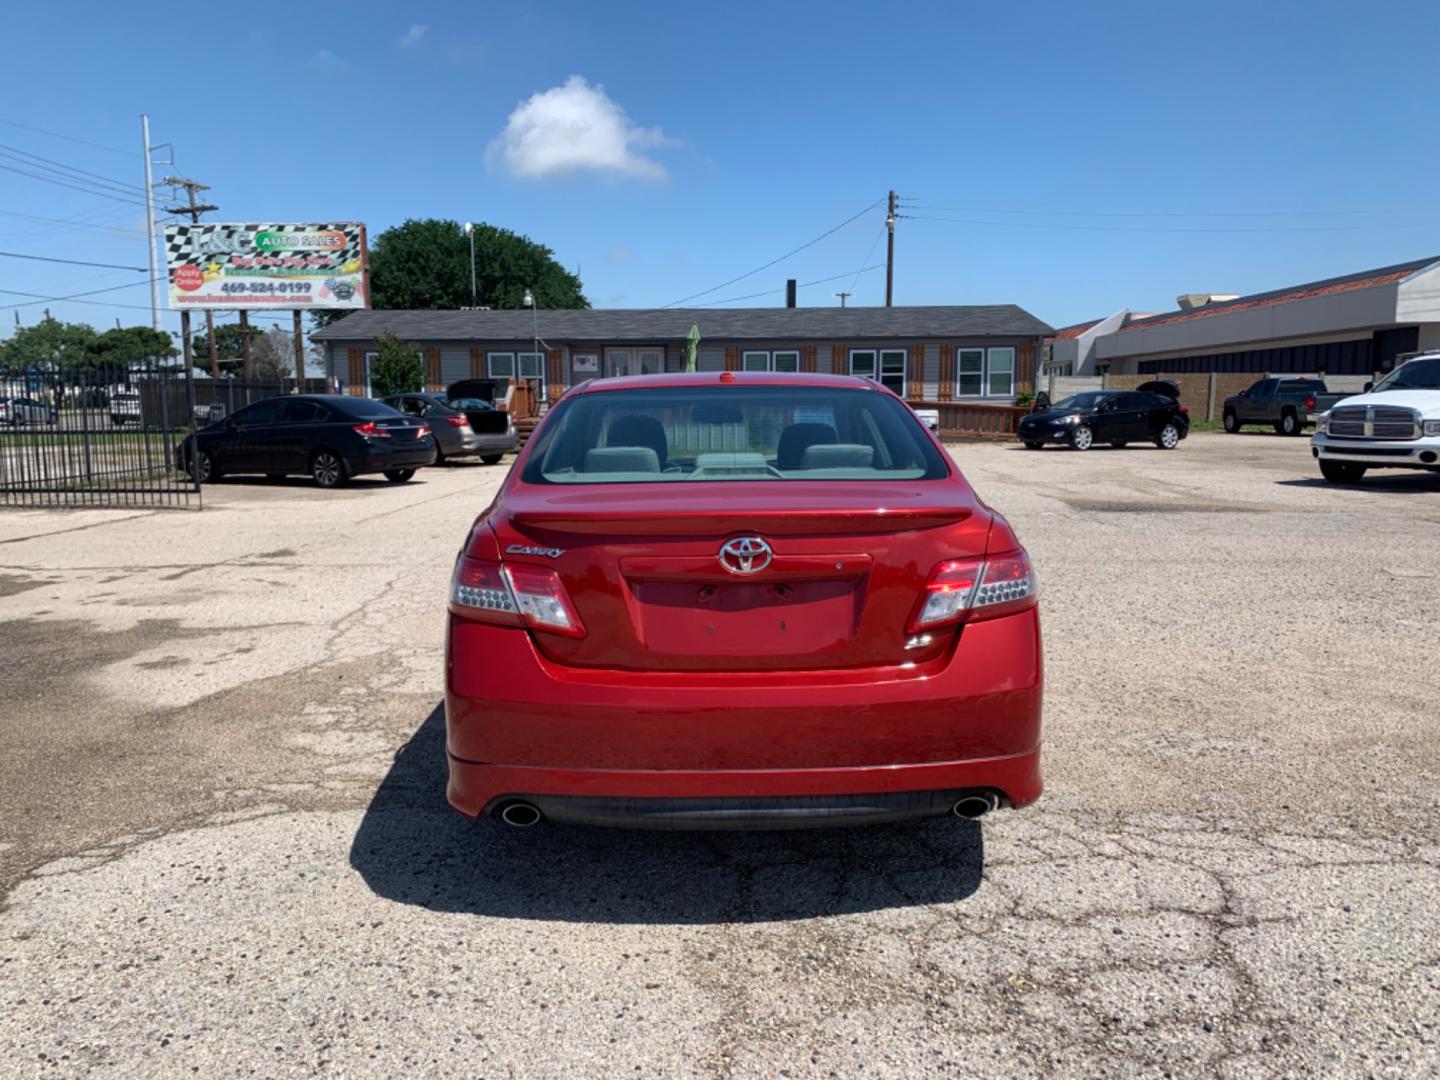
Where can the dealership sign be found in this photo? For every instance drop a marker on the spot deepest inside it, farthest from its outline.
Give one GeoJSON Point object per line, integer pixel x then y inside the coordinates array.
{"type": "Point", "coordinates": [267, 266]}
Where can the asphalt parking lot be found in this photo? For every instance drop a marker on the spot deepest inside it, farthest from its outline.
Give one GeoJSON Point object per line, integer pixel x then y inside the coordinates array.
{"type": "Point", "coordinates": [224, 846]}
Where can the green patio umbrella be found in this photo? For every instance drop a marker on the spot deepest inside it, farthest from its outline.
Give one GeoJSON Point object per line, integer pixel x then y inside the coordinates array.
{"type": "Point", "coordinates": [692, 346]}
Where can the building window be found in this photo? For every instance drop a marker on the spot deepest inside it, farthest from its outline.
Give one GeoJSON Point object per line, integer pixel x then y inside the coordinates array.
{"type": "Point", "coordinates": [1000, 377]}
{"type": "Point", "coordinates": [970, 371]}
{"type": "Point", "coordinates": [764, 360]}
{"type": "Point", "coordinates": [885, 366]}
{"type": "Point", "coordinates": [502, 365]}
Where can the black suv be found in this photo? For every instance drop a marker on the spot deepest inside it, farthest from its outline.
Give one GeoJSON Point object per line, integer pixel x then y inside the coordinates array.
{"type": "Point", "coordinates": [330, 438]}
{"type": "Point", "coordinates": [1117, 417]}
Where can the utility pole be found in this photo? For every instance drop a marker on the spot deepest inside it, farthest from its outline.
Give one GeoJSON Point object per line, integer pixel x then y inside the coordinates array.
{"type": "Point", "coordinates": [194, 210]}
{"type": "Point", "coordinates": [843, 297]}
{"type": "Point", "coordinates": [890, 252]}
{"type": "Point", "coordinates": [150, 222]}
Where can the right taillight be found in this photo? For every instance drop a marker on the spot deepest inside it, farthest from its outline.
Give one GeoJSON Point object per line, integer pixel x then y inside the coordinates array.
{"type": "Point", "coordinates": [513, 595]}
{"type": "Point", "coordinates": [458, 421]}
{"type": "Point", "coordinates": [966, 590]}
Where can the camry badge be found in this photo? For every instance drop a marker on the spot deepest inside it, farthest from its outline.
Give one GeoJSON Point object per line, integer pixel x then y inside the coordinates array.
{"type": "Point", "coordinates": [527, 549]}
{"type": "Point", "coordinates": [745, 555]}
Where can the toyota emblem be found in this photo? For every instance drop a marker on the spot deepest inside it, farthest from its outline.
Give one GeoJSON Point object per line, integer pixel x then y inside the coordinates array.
{"type": "Point", "coordinates": [745, 555]}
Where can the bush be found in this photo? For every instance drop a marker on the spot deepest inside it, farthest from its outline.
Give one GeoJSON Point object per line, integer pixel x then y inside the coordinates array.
{"type": "Point", "coordinates": [1025, 397]}
{"type": "Point", "coordinates": [397, 369]}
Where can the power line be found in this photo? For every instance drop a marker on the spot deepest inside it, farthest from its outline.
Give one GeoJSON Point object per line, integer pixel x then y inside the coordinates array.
{"type": "Point", "coordinates": [919, 205]}
{"type": "Point", "coordinates": [75, 223]}
{"type": "Point", "coordinates": [67, 138]}
{"type": "Point", "coordinates": [83, 175]}
{"type": "Point", "coordinates": [71, 262]}
{"type": "Point", "coordinates": [802, 285]}
{"type": "Point", "coordinates": [772, 262]}
{"type": "Point", "coordinates": [1162, 228]}
{"type": "Point", "coordinates": [136, 201]}
{"type": "Point", "coordinates": [73, 296]}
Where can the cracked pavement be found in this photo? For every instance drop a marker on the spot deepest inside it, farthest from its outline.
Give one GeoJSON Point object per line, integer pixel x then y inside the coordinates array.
{"type": "Point", "coordinates": [224, 846]}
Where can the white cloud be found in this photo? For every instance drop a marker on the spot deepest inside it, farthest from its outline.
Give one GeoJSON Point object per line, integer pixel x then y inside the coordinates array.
{"type": "Point", "coordinates": [574, 128]}
{"type": "Point", "coordinates": [325, 60]}
{"type": "Point", "coordinates": [413, 35]}
{"type": "Point", "coordinates": [619, 254]}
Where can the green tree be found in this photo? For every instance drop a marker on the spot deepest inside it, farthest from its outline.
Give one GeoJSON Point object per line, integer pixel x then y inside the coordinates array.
{"type": "Point", "coordinates": [50, 345]}
{"type": "Point", "coordinates": [397, 369]}
{"type": "Point", "coordinates": [129, 345]}
{"type": "Point", "coordinates": [229, 347]}
{"type": "Point", "coordinates": [425, 264]}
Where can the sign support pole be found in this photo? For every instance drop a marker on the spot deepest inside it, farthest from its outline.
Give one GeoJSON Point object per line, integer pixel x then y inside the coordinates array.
{"type": "Point", "coordinates": [299, 355]}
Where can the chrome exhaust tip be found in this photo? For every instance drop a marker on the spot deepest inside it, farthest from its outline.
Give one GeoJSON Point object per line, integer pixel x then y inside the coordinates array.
{"type": "Point", "coordinates": [974, 806]}
{"type": "Point", "coordinates": [520, 815]}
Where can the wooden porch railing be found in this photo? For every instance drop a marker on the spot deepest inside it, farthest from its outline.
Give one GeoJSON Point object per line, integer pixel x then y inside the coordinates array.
{"type": "Point", "coordinates": [964, 419]}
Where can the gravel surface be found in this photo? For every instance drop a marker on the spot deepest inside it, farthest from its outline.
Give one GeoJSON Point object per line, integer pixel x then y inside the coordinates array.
{"type": "Point", "coordinates": [224, 847]}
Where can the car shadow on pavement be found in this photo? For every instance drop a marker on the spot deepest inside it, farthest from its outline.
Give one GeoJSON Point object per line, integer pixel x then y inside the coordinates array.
{"type": "Point", "coordinates": [1398, 482]}
{"type": "Point", "coordinates": [412, 848]}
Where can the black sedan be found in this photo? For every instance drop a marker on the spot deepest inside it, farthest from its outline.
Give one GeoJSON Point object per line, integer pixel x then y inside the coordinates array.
{"type": "Point", "coordinates": [1117, 417]}
{"type": "Point", "coordinates": [330, 438]}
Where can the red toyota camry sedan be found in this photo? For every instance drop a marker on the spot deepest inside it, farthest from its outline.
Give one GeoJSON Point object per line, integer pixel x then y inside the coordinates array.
{"type": "Point", "coordinates": [729, 600]}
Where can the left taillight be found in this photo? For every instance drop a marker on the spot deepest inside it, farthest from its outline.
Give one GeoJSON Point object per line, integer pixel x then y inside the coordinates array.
{"type": "Point", "coordinates": [422, 431]}
{"type": "Point", "coordinates": [513, 595]}
{"type": "Point", "coordinates": [967, 590]}
{"type": "Point", "coordinates": [461, 421]}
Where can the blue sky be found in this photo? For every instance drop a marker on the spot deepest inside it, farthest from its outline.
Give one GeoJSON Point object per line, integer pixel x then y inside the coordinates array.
{"type": "Point", "coordinates": [1071, 158]}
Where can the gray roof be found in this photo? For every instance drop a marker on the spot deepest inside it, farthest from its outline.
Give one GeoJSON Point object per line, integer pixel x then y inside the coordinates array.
{"type": "Point", "coordinates": [660, 325]}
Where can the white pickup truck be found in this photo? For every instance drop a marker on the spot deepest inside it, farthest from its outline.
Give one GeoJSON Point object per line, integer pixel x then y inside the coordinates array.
{"type": "Point", "coordinates": [1395, 424]}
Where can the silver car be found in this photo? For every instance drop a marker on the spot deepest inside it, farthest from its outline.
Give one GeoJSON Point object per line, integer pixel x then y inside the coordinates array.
{"type": "Point", "coordinates": [463, 427]}
{"type": "Point", "coordinates": [24, 410]}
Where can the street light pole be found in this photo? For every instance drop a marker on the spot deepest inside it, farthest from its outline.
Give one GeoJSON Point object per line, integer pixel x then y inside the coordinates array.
{"type": "Point", "coordinates": [470, 232]}
{"type": "Point", "coordinates": [529, 301]}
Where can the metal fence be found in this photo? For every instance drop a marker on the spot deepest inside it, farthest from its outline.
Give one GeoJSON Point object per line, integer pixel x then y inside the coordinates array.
{"type": "Point", "coordinates": [97, 437]}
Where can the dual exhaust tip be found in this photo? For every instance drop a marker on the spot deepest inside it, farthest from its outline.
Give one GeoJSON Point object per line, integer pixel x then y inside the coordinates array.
{"type": "Point", "coordinates": [519, 814]}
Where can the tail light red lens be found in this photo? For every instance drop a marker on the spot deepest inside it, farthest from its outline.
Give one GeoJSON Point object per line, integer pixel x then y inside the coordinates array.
{"type": "Point", "coordinates": [514, 595]}
{"type": "Point", "coordinates": [1310, 403]}
{"type": "Point", "coordinates": [460, 421]}
{"type": "Point", "coordinates": [371, 430]}
{"type": "Point", "coordinates": [423, 431]}
{"type": "Point", "coordinates": [967, 590]}
{"type": "Point", "coordinates": [1184, 410]}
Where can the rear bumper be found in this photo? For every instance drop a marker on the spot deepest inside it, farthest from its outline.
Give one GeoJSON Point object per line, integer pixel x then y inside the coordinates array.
{"type": "Point", "coordinates": [381, 458]}
{"type": "Point", "coordinates": [727, 799]}
{"type": "Point", "coordinates": [475, 445]}
{"type": "Point", "coordinates": [521, 727]}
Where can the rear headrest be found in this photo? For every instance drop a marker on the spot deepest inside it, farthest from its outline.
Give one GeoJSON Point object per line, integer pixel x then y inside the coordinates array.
{"type": "Point", "coordinates": [796, 438]}
{"type": "Point", "coordinates": [639, 431]}
{"type": "Point", "coordinates": [603, 459]}
{"type": "Point", "coordinates": [838, 456]}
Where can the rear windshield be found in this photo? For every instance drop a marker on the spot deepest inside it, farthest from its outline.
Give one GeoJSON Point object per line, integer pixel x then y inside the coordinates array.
{"type": "Point", "coordinates": [732, 433]}
{"type": "Point", "coordinates": [367, 409]}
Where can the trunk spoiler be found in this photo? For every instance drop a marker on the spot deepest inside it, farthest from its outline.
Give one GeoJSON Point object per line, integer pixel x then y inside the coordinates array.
{"type": "Point", "coordinates": [772, 521]}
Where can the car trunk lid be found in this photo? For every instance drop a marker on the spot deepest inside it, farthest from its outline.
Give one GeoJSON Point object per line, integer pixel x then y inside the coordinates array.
{"type": "Point", "coordinates": [740, 576]}
{"type": "Point", "coordinates": [476, 399]}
